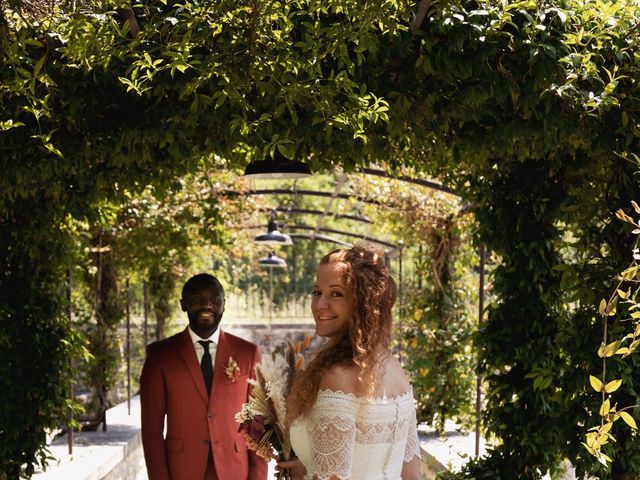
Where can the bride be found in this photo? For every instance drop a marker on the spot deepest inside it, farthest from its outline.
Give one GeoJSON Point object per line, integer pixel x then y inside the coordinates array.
{"type": "Point", "coordinates": [351, 411]}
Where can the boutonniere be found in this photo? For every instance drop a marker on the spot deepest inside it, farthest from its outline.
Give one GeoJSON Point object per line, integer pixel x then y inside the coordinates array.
{"type": "Point", "coordinates": [232, 371]}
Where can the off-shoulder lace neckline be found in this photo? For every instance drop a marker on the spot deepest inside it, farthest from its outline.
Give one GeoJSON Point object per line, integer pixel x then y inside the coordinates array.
{"type": "Point", "coordinates": [353, 396]}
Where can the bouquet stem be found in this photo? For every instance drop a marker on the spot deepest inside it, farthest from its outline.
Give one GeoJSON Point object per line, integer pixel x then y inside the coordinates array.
{"type": "Point", "coordinates": [284, 474]}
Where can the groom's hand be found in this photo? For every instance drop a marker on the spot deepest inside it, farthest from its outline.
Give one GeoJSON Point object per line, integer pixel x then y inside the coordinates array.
{"type": "Point", "coordinates": [295, 468]}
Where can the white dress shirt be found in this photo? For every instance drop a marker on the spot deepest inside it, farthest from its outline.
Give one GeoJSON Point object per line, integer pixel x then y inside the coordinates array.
{"type": "Point", "coordinates": [213, 346]}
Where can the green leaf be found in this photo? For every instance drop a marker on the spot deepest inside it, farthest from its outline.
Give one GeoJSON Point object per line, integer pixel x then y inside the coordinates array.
{"type": "Point", "coordinates": [611, 349]}
{"type": "Point", "coordinates": [604, 459]}
{"type": "Point", "coordinates": [630, 272]}
{"type": "Point", "coordinates": [589, 448]}
{"type": "Point", "coordinates": [612, 386]}
{"type": "Point", "coordinates": [7, 124]}
{"type": "Point", "coordinates": [602, 309]}
{"type": "Point", "coordinates": [628, 419]}
{"type": "Point", "coordinates": [38, 66]}
{"type": "Point", "coordinates": [595, 383]}
{"type": "Point", "coordinates": [36, 71]}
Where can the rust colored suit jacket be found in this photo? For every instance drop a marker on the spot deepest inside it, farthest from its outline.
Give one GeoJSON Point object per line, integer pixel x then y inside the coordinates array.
{"type": "Point", "coordinates": [172, 385]}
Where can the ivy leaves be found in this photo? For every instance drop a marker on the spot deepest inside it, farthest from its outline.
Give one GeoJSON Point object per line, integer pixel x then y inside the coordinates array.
{"type": "Point", "coordinates": [239, 79]}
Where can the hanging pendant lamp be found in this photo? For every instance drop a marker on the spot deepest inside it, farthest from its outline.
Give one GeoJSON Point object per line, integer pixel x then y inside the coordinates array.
{"type": "Point", "coordinates": [277, 166]}
{"type": "Point", "coordinates": [272, 261]}
{"type": "Point", "coordinates": [273, 236]}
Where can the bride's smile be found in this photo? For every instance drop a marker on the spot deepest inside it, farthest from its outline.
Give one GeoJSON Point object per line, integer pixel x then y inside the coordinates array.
{"type": "Point", "coordinates": [332, 302]}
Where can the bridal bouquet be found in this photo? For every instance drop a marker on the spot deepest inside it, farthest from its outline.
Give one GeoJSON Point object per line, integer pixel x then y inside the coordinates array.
{"type": "Point", "coordinates": [264, 417]}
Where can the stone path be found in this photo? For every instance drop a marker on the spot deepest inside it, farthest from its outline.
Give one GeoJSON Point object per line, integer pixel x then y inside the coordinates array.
{"type": "Point", "coordinates": [117, 453]}
{"type": "Point", "coordinates": [112, 455]}
{"type": "Point", "coordinates": [451, 450]}
{"type": "Point", "coordinates": [96, 454]}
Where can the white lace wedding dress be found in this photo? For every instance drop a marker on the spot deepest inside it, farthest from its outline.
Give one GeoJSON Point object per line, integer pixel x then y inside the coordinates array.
{"type": "Point", "coordinates": [356, 438]}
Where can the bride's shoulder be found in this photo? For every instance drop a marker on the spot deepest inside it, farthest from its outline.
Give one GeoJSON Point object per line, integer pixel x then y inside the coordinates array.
{"type": "Point", "coordinates": [393, 380]}
{"type": "Point", "coordinates": [340, 378]}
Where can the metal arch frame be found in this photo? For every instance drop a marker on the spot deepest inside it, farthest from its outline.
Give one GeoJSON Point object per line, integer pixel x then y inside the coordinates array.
{"type": "Point", "coordinates": [404, 178]}
{"type": "Point", "coordinates": [284, 191]}
{"type": "Point", "coordinates": [320, 238]}
{"type": "Point", "coordinates": [355, 218]}
{"type": "Point", "coordinates": [427, 184]}
{"type": "Point", "coordinates": [337, 194]}
{"type": "Point", "coordinates": [329, 230]}
{"type": "Point", "coordinates": [347, 234]}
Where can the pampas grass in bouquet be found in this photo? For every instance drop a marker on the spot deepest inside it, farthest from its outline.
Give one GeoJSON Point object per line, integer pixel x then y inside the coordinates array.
{"type": "Point", "coordinates": [263, 417]}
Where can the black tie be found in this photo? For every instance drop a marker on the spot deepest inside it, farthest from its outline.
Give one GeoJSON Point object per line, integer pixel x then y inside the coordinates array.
{"type": "Point", "coordinates": [206, 365]}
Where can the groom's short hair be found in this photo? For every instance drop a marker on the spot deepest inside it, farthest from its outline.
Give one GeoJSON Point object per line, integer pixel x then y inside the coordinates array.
{"type": "Point", "coordinates": [202, 281]}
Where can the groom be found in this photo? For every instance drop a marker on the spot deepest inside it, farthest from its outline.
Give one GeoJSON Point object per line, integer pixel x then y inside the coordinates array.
{"type": "Point", "coordinates": [198, 380]}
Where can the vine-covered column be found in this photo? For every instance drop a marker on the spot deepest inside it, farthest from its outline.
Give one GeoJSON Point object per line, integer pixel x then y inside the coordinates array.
{"type": "Point", "coordinates": [108, 310]}
{"type": "Point", "coordinates": [517, 343]}
{"type": "Point", "coordinates": [162, 282]}
{"type": "Point", "coordinates": [436, 333]}
{"type": "Point", "coordinates": [35, 339]}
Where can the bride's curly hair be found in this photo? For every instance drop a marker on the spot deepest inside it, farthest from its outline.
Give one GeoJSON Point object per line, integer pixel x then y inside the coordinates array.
{"type": "Point", "coordinates": [368, 332]}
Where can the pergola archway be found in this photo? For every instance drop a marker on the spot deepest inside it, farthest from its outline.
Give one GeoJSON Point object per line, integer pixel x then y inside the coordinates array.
{"type": "Point", "coordinates": [532, 120]}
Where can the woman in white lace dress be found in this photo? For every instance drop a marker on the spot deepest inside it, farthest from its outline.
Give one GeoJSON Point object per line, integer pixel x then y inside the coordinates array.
{"type": "Point", "coordinates": [351, 411]}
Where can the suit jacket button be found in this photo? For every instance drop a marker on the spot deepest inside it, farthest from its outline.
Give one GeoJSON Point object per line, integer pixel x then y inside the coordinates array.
{"type": "Point", "coordinates": [210, 415]}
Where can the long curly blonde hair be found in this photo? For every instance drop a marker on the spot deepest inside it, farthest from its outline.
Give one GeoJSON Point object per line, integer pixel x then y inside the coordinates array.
{"type": "Point", "coordinates": [368, 332]}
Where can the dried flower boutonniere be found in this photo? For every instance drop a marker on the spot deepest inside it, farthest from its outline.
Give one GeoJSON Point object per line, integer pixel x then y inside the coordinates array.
{"type": "Point", "coordinates": [232, 371]}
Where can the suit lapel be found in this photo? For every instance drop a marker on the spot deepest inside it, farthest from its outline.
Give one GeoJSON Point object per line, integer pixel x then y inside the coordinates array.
{"type": "Point", "coordinates": [190, 359]}
{"type": "Point", "coordinates": [223, 352]}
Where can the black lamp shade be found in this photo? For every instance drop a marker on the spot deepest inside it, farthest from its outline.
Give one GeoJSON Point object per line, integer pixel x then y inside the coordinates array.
{"type": "Point", "coordinates": [278, 167]}
{"type": "Point", "coordinates": [273, 236]}
{"type": "Point", "coordinates": [272, 261]}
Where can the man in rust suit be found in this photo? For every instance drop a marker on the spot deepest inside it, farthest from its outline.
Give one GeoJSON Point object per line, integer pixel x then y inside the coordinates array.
{"type": "Point", "coordinates": [197, 380]}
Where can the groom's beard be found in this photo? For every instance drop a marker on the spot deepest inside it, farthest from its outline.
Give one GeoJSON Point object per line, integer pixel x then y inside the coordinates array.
{"type": "Point", "coordinates": [211, 321]}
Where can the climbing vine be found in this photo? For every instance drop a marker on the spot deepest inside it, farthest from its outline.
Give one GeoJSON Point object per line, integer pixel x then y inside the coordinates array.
{"type": "Point", "coordinates": [435, 313]}
{"type": "Point", "coordinates": [623, 300]}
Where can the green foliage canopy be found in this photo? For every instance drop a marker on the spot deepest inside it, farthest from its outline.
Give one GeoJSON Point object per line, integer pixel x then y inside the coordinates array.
{"type": "Point", "coordinates": [494, 97]}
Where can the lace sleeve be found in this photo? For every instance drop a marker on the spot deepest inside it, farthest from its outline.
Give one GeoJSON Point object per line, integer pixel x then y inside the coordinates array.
{"type": "Point", "coordinates": [332, 433]}
{"type": "Point", "coordinates": [412, 447]}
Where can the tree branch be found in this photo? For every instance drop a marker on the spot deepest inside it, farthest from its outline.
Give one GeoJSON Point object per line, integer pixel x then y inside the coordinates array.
{"type": "Point", "coordinates": [127, 15]}
{"type": "Point", "coordinates": [421, 12]}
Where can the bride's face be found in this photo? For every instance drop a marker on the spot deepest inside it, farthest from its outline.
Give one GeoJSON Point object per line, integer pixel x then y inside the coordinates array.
{"type": "Point", "coordinates": [332, 302]}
